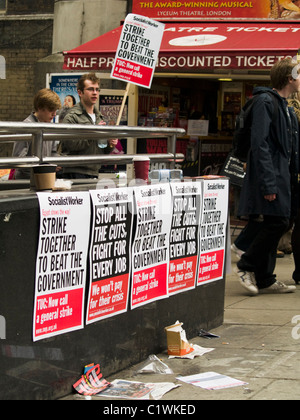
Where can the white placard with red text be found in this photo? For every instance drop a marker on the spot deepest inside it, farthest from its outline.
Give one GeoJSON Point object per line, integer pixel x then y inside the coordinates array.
{"type": "Point", "coordinates": [61, 263]}
{"type": "Point", "coordinates": [138, 49]}
{"type": "Point", "coordinates": [213, 229]}
{"type": "Point", "coordinates": [150, 250]}
{"type": "Point", "coordinates": [110, 253]}
{"type": "Point", "coordinates": [184, 236]}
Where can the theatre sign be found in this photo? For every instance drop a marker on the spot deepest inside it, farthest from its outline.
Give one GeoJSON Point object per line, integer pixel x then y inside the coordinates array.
{"type": "Point", "coordinates": [188, 62]}
{"type": "Point", "coordinates": [192, 47]}
{"type": "Point", "coordinates": [218, 9]}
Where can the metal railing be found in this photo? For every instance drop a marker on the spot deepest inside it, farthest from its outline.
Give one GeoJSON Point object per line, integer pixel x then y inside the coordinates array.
{"type": "Point", "coordinates": [37, 133]}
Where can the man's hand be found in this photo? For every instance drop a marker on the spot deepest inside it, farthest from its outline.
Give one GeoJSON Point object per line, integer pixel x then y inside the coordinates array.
{"type": "Point", "coordinates": [113, 143]}
{"type": "Point", "coordinates": [270, 197]}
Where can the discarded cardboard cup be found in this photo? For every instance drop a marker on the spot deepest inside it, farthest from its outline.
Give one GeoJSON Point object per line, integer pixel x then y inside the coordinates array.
{"type": "Point", "coordinates": [178, 344]}
{"type": "Point", "coordinates": [141, 167]}
{"type": "Point", "coordinates": [44, 177]}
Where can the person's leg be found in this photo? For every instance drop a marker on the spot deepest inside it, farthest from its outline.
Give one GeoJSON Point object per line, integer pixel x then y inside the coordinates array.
{"type": "Point", "coordinates": [248, 234]}
{"type": "Point", "coordinates": [295, 240]}
{"type": "Point", "coordinates": [260, 257]}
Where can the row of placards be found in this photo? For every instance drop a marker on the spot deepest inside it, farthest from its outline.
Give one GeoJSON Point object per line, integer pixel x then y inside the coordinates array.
{"type": "Point", "coordinates": [138, 244]}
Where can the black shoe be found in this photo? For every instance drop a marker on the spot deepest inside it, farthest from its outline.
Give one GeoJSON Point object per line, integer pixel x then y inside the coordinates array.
{"type": "Point", "coordinates": [297, 281]}
{"type": "Point", "coordinates": [296, 277]}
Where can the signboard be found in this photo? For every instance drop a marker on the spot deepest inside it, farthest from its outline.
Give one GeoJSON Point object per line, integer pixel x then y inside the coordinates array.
{"type": "Point", "coordinates": [218, 9]}
{"type": "Point", "coordinates": [61, 263]}
{"type": "Point", "coordinates": [65, 85]}
{"type": "Point", "coordinates": [198, 127]}
{"type": "Point", "coordinates": [213, 229]}
{"type": "Point", "coordinates": [150, 250]}
{"type": "Point", "coordinates": [193, 47]}
{"type": "Point", "coordinates": [179, 241]}
{"type": "Point", "coordinates": [110, 253]}
{"type": "Point", "coordinates": [138, 50]}
{"type": "Point", "coordinates": [110, 106]}
{"type": "Point", "coordinates": [184, 236]}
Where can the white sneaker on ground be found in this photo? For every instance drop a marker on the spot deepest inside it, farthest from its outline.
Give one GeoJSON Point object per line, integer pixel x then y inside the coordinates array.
{"type": "Point", "coordinates": [238, 252]}
{"type": "Point", "coordinates": [278, 287]}
{"type": "Point", "coordinates": [247, 280]}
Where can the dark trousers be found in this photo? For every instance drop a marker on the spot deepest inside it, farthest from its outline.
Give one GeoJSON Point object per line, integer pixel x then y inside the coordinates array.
{"type": "Point", "coordinates": [248, 234]}
{"type": "Point", "coordinates": [296, 247]}
{"type": "Point", "coordinates": [260, 257]}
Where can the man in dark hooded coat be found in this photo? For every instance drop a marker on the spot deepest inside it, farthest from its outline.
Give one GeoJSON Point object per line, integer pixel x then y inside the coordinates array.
{"type": "Point", "coordinates": [271, 183]}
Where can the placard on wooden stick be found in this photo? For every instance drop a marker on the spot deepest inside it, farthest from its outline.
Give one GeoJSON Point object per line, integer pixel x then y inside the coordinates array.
{"type": "Point", "coordinates": [137, 52]}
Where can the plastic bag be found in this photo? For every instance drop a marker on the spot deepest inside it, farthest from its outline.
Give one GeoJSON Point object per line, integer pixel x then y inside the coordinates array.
{"type": "Point", "coordinates": [155, 365]}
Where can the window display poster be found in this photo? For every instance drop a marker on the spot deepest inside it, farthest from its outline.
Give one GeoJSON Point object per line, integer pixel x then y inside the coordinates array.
{"type": "Point", "coordinates": [65, 85]}
{"type": "Point", "coordinates": [150, 250]}
{"type": "Point", "coordinates": [110, 253]}
{"type": "Point", "coordinates": [213, 229]}
{"type": "Point", "coordinates": [198, 127]}
{"type": "Point", "coordinates": [110, 106]}
{"type": "Point", "coordinates": [61, 263]}
{"type": "Point", "coordinates": [184, 236]}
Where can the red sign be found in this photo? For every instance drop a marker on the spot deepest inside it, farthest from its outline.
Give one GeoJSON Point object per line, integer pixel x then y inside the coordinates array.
{"type": "Point", "coordinates": [217, 9]}
{"type": "Point", "coordinates": [132, 72]}
{"type": "Point", "coordinates": [59, 312]}
{"type": "Point", "coordinates": [196, 47]}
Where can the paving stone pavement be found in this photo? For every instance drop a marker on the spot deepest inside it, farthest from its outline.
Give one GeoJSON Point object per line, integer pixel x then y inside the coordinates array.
{"type": "Point", "coordinates": [258, 344]}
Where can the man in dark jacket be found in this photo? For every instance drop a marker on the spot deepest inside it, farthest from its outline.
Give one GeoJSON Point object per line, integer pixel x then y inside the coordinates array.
{"type": "Point", "coordinates": [85, 112]}
{"type": "Point", "coordinates": [270, 184]}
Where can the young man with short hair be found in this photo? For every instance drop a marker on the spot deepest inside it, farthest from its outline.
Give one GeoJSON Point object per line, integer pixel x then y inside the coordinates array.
{"type": "Point", "coordinates": [45, 104]}
{"type": "Point", "coordinates": [85, 112]}
{"type": "Point", "coordinates": [270, 187]}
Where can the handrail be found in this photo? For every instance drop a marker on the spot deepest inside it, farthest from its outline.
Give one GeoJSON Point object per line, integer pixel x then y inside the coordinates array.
{"type": "Point", "coordinates": [39, 132]}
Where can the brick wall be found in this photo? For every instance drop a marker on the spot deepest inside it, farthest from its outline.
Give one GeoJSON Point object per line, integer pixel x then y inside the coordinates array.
{"type": "Point", "coordinates": [16, 7]}
{"type": "Point", "coordinates": [22, 44]}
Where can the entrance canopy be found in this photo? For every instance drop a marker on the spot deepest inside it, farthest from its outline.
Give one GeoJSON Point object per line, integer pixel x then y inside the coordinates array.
{"type": "Point", "coordinates": [198, 47]}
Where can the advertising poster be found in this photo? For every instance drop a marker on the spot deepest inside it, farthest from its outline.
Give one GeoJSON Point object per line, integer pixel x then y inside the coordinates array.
{"type": "Point", "coordinates": [110, 253]}
{"type": "Point", "coordinates": [184, 236]}
{"type": "Point", "coordinates": [138, 50]}
{"type": "Point", "coordinates": [61, 263]}
{"type": "Point", "coordinates": [213, 229]}
{"type": "Point", "coordinates": [218, 9]}
{"type": "Point", "coordinates": [110, 106]}
{"type": "Point", "coordinates": [65, 85]}
{"type": "Point", "coordinates": [150, 250]}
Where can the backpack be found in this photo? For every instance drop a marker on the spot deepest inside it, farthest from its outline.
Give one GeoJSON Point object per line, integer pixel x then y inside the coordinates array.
{"type": "Point", "coordinates": [242, 132]}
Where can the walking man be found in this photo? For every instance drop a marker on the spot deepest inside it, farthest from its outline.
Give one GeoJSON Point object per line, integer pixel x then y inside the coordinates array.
{"type": "Point", "coordinates": [271, 182]}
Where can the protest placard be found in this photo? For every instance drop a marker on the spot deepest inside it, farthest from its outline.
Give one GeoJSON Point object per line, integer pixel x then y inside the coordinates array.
{"type": "Point", "coordinates": [110, 253]}
{"type": "Point", "coordinates": [184, 237]}
{"type": "Point", "coordinates": [61, 263]}
{"type": "Point", "coordinates": [138, 50]}
{"type": "Point", "coordinates": [150, 251]}
{"type": "Point", "coordinates": [213, 229]}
